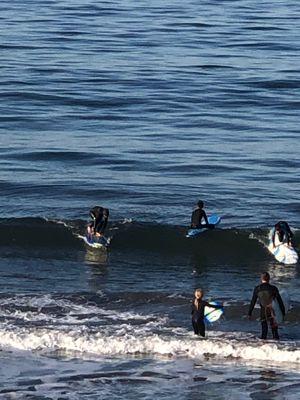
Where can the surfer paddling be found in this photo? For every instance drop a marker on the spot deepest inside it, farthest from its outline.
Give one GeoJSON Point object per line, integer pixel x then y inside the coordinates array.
{"type": "Point", "coordinates": [266, 293]}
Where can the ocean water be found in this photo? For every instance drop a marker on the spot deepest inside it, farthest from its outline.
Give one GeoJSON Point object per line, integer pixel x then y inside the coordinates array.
{"type": "Point", "coordinates": [146, 107]}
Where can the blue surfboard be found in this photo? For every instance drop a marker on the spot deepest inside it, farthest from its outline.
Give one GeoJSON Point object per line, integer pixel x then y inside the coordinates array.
{"type": "Point", "coordinates": [213, 219]}
{"type": "Point", "coordinates": [213, 314]}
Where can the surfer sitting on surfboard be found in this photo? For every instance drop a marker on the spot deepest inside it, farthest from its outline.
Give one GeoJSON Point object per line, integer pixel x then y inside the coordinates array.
{"type": "Point", "coordinates": [283, 233]}
{"type": "Point", "coordinates": [266, 293]}
{"type": "Point", "coordinates": [100, 217]}
{"type": "Point", "coordinates": [198, 312]}
{"type": "Point", "coordinates": [197, 216]}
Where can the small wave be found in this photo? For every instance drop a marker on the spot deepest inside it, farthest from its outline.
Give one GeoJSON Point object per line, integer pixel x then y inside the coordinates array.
{"type": "Point", "coordinates": [47, 323]}
{"type": "Point", "coordinates": [62, 313]}
{"type": "Point", "coordinates": [36, 232]}
{"type": "Point", "coordinates": [218, 246]}
{"type": "Point", "coordinates": [152, 345]}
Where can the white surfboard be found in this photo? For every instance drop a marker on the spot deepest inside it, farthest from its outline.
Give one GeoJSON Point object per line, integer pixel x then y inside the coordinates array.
{"type": "Point", "coordinates": [95, 242]}
{"type": "Point", "coordinates": [213, 314]}
{"type": "Point", "coordinates": [213, 219]}
{"type": "Point", "coordinates": [282, 251]}
{"type": "Point", "coordinates": [277, 311]}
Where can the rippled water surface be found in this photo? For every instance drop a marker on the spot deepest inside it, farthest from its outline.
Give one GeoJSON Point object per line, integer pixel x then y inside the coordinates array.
{"type": "Point", "coordinates": [148, 106]}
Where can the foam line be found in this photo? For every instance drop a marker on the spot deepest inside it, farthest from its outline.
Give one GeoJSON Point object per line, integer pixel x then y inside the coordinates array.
{"type": "Point", "coordinates": [99, 344]}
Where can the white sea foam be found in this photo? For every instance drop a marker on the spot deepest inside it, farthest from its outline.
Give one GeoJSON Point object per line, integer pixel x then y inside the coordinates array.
{"type": "Point", "coordinates": [80, 341]}
{"type": "Point", "coordinates": [58, 222]}
{"type": "Point", "coordinates": [90, 329]}
{"type": "Point", "coordinates": [127, 221]}
{"type": "Point", "coordinates": [65, 316]}
{"type": "Point", "coordinates": [68, 307]}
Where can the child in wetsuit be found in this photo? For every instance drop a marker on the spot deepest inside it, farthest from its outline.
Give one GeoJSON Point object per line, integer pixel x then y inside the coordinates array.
{"type": "Point", "coordinates": [198, 312]}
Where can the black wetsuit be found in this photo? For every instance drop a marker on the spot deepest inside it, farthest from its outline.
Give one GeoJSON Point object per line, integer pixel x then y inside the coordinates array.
{"type": "Point", "coordinates": [100, 217]}
{"type": "Point", "coordinates": [266, 293]}
{"type": "Point", "coordinates": [285, 235]}
{"type": "Point", "coordinates": [196, 219]}
{"type": "Point", "coordinates": [198, 316]}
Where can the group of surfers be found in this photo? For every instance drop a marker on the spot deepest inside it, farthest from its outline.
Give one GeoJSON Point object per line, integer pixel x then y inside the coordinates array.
{"type": "Point", "coordinates": [100, 217]}
{"type": "Point", "coordinates": [265, 293]}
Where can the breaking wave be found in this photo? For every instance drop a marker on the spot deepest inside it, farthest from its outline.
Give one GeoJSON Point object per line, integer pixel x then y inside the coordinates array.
{"type": "Point", "coordinates": [217, 346]}
{"type": "Point", "coordinates": [48, 323]}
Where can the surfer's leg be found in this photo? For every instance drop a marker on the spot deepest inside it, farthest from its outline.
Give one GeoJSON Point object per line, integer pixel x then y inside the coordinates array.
{"type": "Point", "coordinates": [274, 328]}
{"type": "Point", "coordinates": [207, 226]}
{"type": "Point", "coordinates": [195, 327]}
{"type": "Point", "coordinates": [201, 328]}
{"type": "Point", "coordinates": [275, 333]}
{"type": "Point", "coordinates": [264, 329]}
{"type": "Point", "coordinates": [265, 317]}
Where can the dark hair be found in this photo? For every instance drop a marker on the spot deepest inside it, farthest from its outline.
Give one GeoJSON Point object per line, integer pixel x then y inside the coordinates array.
{"type": "Point", "coordinates": [278, 226]}
{"type": "Point", "coordinates": [200, 204]}
{"type": "Point", "coordinates": [265, 276]}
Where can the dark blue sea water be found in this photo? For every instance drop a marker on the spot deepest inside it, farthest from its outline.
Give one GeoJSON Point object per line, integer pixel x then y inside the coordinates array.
{"type": "Point", "coordinates": [145, 107]}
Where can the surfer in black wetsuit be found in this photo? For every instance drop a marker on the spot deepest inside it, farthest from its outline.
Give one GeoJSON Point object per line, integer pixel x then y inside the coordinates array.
{"type": "Point", "coordinates": [198, 312]}
{"type": "Point", "coordinates": [197, 216]}
{"type": "Point", "coordinates": [100, 217]}
{"type": "Point", "coordinates": [266, 293]}
{"type": "Point", "coordinates": [283, 232]}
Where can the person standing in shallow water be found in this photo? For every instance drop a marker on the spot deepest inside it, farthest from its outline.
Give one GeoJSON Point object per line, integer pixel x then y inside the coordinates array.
{"type": "Point", "coordinates": [266, 293]}
{"type": "Point", "coordinates": [198, 305]}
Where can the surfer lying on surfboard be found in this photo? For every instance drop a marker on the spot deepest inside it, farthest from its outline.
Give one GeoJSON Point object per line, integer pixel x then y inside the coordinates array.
{"type": "Point", "coordinates": [266, 293]}
{"type": "Point", "coordinates": [198, 312]}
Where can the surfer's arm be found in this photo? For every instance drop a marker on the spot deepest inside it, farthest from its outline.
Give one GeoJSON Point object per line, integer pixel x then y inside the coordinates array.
{"type": "Point", "coordinates": [280, 302]}
{"type": "Point", "coordinates": [253, 301]}
{"type": "Point", "coordinates": [205, 217]}
{"type": "Point", "coordinates": [216, 306]}
{"type": "Point", "coordinates": [193, 307]}
{"type": "Point", "coordinates": [290, 237]}
{"type": "Point", "coordinates": [103, 226]}
{"type": "Point", "coordinates": [273, 239]}
{"type": "Point", "coordinates": [106, 213]}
